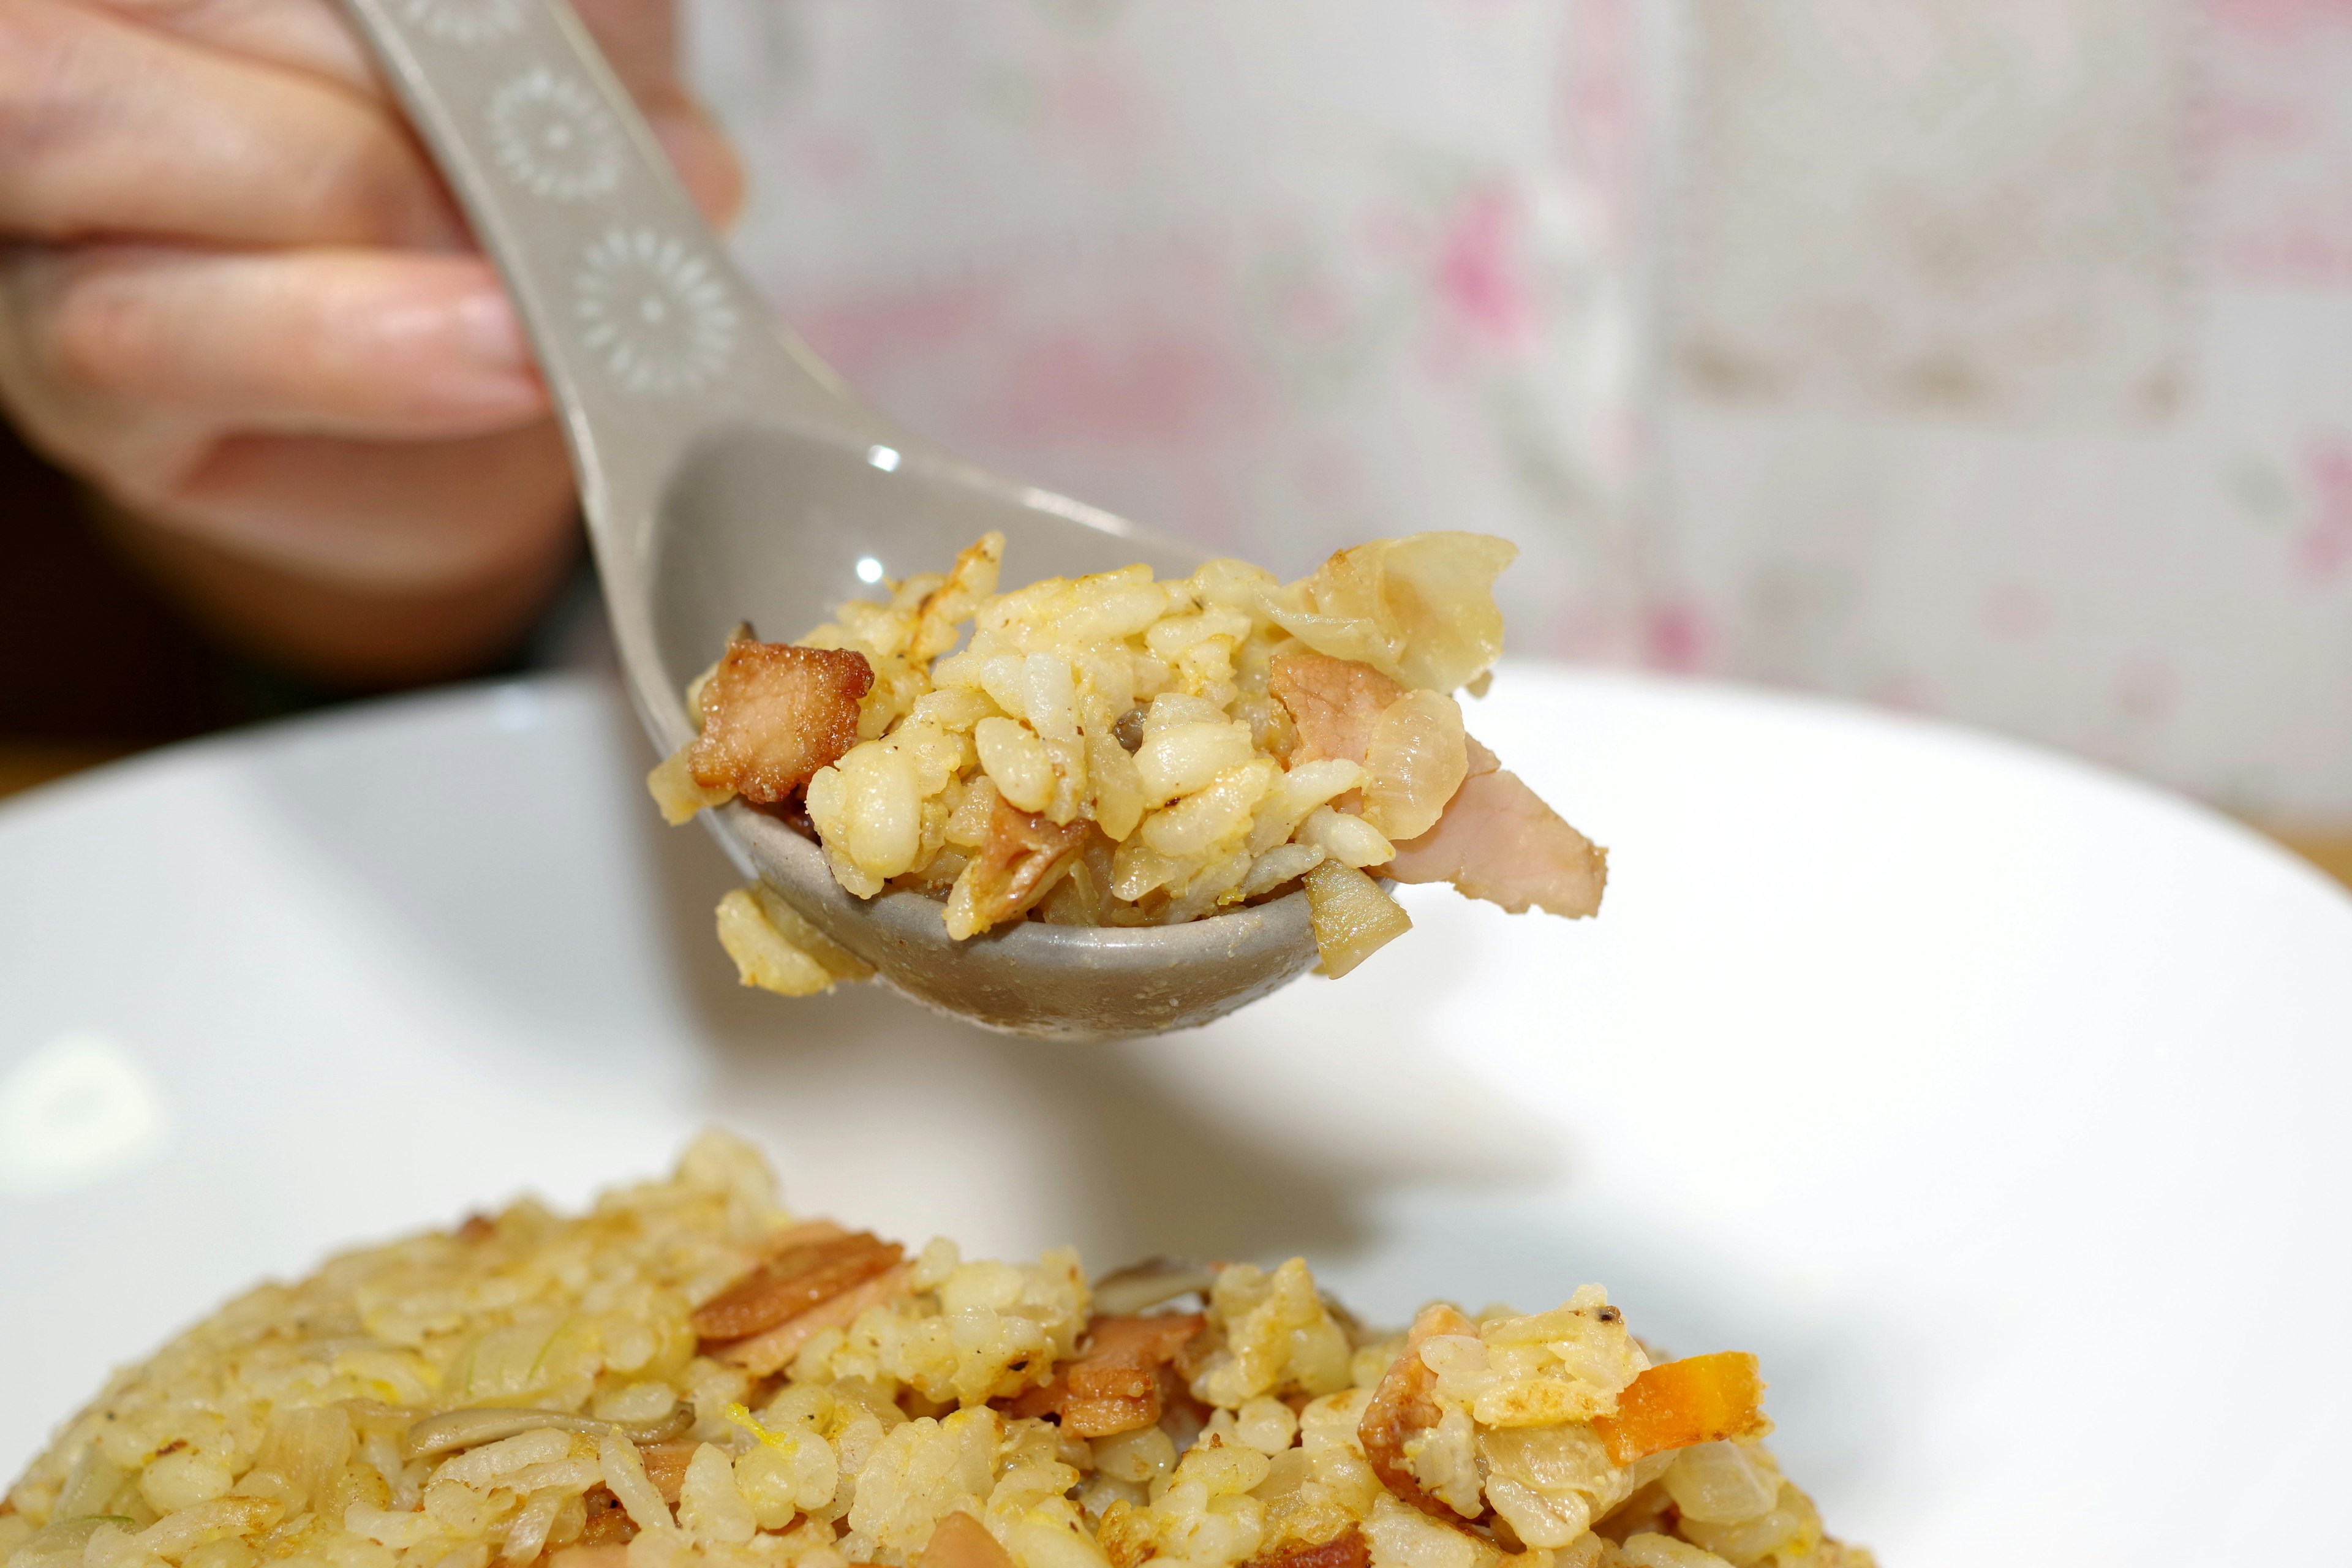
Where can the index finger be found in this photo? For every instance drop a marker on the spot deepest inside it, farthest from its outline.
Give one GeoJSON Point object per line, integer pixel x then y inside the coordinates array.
{"type": "Point", "coordinates": [108, 129]}
{"type": "Point", "coordinates": [638, 38]}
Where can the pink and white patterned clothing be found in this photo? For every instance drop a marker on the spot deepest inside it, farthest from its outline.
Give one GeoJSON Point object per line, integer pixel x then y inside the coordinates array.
{"type": "Point", "coordinates": [1988, 357]}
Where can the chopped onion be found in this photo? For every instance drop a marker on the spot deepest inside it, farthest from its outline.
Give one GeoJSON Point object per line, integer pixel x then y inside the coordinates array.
{"type": "Point", "coordinates": [1353, 918]}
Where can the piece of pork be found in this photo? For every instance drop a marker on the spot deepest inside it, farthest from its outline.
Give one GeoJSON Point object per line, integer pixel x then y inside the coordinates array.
{"type": "Point", "coordinates": [1405, 1405]}
{"type": "Point", "coordinates": [768, 1353]}
{"type": "Point", "coordinates": [1112, 1385]}
{"type": "Point", "coordinates": [1333, 703]}
{"type": "Point", "coordinates": [1349, 1549]}
{"type": "Point", "coordinates": [792, 1280]}
{"type": "Point", "coordinates": [774, 713]}
{"type": "Point", "coordinates": [666, 1466]}
{"type": "Point", "coordinates": [1498, 841]}
{"type": "Point", "coordinates": [1025, 855]}
{"type": "Point", "coordinates": [959, 1540]}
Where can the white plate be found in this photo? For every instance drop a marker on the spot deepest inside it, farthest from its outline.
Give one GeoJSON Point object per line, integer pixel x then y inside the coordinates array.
{"type": "Point", "coordinates": [1998, 1103]}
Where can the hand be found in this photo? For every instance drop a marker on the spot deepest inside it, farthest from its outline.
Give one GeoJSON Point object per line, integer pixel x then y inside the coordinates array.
{"type": "Point", "coordinates": [235, 299]}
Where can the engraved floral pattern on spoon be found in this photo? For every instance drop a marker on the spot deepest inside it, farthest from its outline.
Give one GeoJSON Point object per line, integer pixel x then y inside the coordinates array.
{"type": "Point", "coordinates": [554, 138]}
{"type": "Point", "coordinates": [653, 312]}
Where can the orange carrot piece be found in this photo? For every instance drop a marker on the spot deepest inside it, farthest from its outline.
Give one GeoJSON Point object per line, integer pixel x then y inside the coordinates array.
{"type": "Point", "coordinates": [1702, 1399]}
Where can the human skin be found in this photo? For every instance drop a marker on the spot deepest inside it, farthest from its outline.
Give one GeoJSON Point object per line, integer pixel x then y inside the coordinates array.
{"type": "Point", "coordinates": [236, 301]}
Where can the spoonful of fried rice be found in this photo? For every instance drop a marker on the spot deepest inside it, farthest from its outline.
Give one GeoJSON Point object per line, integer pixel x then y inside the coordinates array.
{"type": "Point", "coordinates": [1125, 799]}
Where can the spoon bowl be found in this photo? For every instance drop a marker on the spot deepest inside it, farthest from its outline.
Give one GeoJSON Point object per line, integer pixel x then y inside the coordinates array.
{"type": "Point", "coordinates": [856, 514]}
{"type": "Point", "coordinates": [727, 475]}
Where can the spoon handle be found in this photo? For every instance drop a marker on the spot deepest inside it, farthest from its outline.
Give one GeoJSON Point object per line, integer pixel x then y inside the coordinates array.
{"type": "Point", "coordinates": [646, 332]}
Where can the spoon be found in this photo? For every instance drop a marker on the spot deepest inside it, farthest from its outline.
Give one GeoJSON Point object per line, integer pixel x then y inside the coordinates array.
{"type": "Point", "coordinates": [727, 475]}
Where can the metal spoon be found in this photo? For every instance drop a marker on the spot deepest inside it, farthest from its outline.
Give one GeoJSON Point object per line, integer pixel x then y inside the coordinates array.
{"type": "Point", "coordinates": [729, 475]}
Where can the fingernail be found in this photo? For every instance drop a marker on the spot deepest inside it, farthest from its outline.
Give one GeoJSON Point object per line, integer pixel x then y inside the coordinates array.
{"type": "Point", "coordinates": [485, 329]}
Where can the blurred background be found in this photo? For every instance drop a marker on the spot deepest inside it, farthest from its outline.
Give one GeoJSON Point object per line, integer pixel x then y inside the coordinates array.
{"type": "Point", "coordinates": [1988, 358]}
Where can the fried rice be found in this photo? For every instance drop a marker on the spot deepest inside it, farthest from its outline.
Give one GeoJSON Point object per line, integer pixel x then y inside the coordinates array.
{"type": "Point", "coordinates": [1121, 750]}
{"type": "Point", "coordinates": [688, 1375]}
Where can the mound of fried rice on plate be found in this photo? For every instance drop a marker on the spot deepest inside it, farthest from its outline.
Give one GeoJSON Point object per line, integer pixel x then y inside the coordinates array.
{"type": "Point", "coordinates": [687, 1375]}
{"type": "Point", "coordinates": [1121, 750]}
